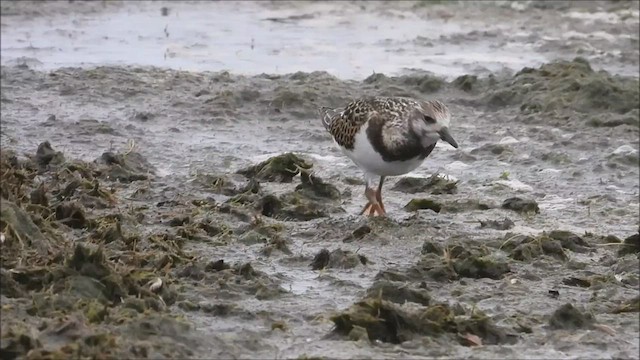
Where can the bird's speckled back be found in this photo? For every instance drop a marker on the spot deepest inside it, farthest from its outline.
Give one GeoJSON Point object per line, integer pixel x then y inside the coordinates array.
{"type": "Point", "coordinates": [343, 126]}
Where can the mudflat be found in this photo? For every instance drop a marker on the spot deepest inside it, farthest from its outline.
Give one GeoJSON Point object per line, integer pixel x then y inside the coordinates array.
{"type": "Point", "coordinates": [185, 201]}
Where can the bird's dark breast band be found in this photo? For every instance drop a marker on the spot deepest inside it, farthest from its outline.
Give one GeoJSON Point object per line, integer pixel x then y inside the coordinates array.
{"type": "Point", "coordinates": [410, 149]}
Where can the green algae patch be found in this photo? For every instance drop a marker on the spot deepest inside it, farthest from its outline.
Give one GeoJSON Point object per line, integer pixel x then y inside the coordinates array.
{"type": "Point", "coordinates": [281, 168]}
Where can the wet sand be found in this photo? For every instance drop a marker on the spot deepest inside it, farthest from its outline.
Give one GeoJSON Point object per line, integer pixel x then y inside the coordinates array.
{"type": "Point", "coordinates": [167, 216]}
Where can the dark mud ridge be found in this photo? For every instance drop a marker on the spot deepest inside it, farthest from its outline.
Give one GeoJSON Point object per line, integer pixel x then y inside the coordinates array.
{"type": "Point", "coordinates": [109, 259]}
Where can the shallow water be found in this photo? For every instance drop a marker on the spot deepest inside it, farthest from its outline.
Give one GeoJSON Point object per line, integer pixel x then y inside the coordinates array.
{"type": "Point", "coordinates": [580, 185]}
{"type": "Point", "coordinates": [349, 40]}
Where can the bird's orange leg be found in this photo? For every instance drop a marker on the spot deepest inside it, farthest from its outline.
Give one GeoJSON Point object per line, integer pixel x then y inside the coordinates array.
{"type": "Point", "coordinates": [373, 206]}
{"type": "Point", "coordinates": [379, 196]}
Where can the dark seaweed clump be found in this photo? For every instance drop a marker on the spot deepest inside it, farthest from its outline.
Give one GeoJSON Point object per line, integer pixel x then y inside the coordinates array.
{"type": "Point", "coordinates": [94, 287]}
{"type": "Point", "coordinates": [554, 244]}
{"type": "Point", "coordinates": [434, 184]}
{"type": "Point", "coordinates": [312, 198]}
{"type": "Point", "coordinates": [448, 263]}
{"type": "Point", "coordinates": [281, 168]}
{"type": "Point", "coordinates": [386, 321]}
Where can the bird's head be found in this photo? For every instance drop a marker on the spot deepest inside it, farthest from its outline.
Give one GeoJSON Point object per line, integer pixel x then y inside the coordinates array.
{"type": "Point", "coordinates": [431, 121]}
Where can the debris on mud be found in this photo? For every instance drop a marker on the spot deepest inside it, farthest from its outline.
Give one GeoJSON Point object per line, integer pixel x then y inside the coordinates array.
{"type": "Point", "coordinates": [451, 262]}
{"type": "Point", "coordinates": [430, 247]}
{"type": "Point", "coordinates": [566, 86]}
{"type": "Point", "coordinates": [631, 305]}
{"type": "Point", "coordinates": [455, 206]}
{"type": "Point", "coordinates": [21, 230]}
{"type": "Point", "coordinates": [422, 204]}
{"type": "Point", "coordinates": [480, 267]}
{"type": "Point", "coordinates": [46, 155]}
{"type": "Point", "coordinates": [337, 259]}
{"type": "Point", "coordinates": [315, 188]}
{"type": "Point", "coordinates": [392, 323]}
{"type": "Point", "coordinates": [424, 83]}
{"type": "Point", "coordinates": [227, 185]}
{"type": "Point", "coordinates": [84, 276]}
{"type": "Point", "coordinates": [127, 167]}
{"type": "Point", "coordinates": [576, 281]}
{"type": "Point", "coordinates": [281, 168]}
{"type": "Point", "coordinates": [465, 205]}
{"type": "Point", "coordinates": [232, 281]}
{"type": "Point", "coordinates": [312, 198]}
{"type": "Point", "coordinates": [569, 318]}
{"type": "Point", "coordinates": [525, 206]}
{"type": "Point", "coordinates": [504, 224]}
{"type": "Point", "coordinates": [527, 248]}
{"type": "Point", "coordinates": [358, 233]}
{"type": "Point", "coordinates": [569, 240]}
{"type": "Point", "coordinates": [71, 214]}
{"type": "Point", "coordinates": [398, 292]}
{"type": "Point", "coordinates": [293, 206]}
{"type": "Point", "coordinates": [630, 245]}
{"type": "Point", "coordinates": [552, 243]}
{"type": "Point", "coordinates": [465, 83]}
{"type": "Point", "coordinates": [435, 184]}
{"type": "Point", "coordinates": [494, 149]}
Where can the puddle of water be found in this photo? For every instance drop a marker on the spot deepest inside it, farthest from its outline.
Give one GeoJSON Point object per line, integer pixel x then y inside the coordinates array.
{"type": "Point", "coordinates": [227, 36]}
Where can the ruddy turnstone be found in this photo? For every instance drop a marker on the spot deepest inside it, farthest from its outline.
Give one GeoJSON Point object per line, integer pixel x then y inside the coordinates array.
{"type": "Point", "coordinates": [387, 136]}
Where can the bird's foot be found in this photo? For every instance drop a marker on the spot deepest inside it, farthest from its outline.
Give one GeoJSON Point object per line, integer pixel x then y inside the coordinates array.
{"type": "Point", "coordinates": [373, 210]}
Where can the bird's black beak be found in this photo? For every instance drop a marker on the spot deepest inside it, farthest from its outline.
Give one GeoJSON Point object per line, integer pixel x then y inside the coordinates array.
{"type": "Point", "coordinates": [446, 136]}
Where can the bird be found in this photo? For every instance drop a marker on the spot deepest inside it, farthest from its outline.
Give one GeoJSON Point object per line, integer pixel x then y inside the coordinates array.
{"type": "Point", "coordinates": [387, 136]}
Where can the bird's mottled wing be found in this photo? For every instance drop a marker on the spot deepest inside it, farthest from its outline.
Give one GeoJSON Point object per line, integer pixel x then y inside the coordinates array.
{"type": "Point", "coordinates": [346, 124]}
{"type": "Point", "coordinates": [327, 115]}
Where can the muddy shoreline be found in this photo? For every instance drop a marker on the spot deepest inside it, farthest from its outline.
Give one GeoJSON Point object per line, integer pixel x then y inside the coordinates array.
{"type": "Point", "coordinates": [242, 244]}
{"type": "Point", "coordinates": [150, 212]}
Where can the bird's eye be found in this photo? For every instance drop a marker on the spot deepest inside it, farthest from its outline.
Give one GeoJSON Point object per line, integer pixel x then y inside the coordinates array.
{"type": "Point", "coordinates": [429, 119]}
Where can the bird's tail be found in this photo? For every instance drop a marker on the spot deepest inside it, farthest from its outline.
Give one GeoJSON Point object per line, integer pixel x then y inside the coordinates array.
{"type": "Point", "coordinates": [327, 115]}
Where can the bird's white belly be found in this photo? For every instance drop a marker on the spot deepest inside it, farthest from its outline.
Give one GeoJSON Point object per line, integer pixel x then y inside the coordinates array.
{"type": "Point", "coordinates": [369, 160]}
